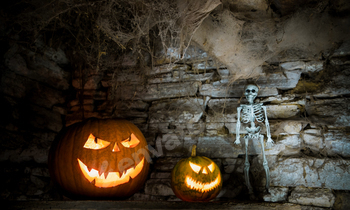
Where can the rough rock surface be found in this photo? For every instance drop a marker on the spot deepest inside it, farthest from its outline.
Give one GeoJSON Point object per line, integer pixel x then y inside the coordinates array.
{"type": "Point", "coordinates": [177, 105]}
{"type": "Point", "coordinates": [33, 89]}
{"type": "Point", "coordinates": [276, 194]}
{"type": "Point", "coordinates": [312, 197]}
{"type": "Point", "coordinates": [311, 172]}
{"type": "Point", "coordinates": [177, 111]}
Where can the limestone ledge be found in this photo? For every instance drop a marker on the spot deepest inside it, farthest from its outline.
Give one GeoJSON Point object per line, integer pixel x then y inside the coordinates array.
{"type": "Point", "coordinates": [276, 194]}
{"type": "Point", "coordinates": [190, 110]}
{"type": "Point", "coordinates": [333, 112]}
{"type": "Point", "coordinates": [154, 91]}
{"type": "Point", "coordinates": [312, 197]}
{"type": "Point", "coordinates": [305, 67]}
{"type": "Point", "coordinates": [311, 172]}
{"type": "Point", "coordinates": [187, 110]}
{"type": "Point", "coordinates": [179, 76]}
{"type": "Point", "coordinates": [179, 144]}
{"type": "Point", "coordinates": [268, 83]}
{"type": "Point", "coordinates": [333, 142]}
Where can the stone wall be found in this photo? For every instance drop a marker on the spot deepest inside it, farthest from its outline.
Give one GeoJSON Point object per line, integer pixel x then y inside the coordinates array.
{"type": "Point", "coordinates": [35, 85]}
{"type": "Point", "coordinates": [194, 102]}
{"type": "Point", "coordinates": [178, 105]}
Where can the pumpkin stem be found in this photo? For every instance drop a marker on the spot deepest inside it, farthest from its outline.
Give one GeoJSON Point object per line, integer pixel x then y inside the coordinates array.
{"type": "Point", "coordinates": [193, 153]}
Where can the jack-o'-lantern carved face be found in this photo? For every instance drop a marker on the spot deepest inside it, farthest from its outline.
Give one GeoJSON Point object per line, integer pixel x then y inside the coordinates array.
{"type": "Point", "coordinates": [198, 185]}
{"type": "Point", "coordinates": [100, 158]}
{"type": "Point", "coordinates": [110, 179]}
{"type": "Point", "coordinates": [196, 178]}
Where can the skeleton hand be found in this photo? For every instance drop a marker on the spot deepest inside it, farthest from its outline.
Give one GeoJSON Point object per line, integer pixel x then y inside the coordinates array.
{"type": "Point", "coordinates": [269, 143]}
{"type": "Point", "coordinates": [237, 141]}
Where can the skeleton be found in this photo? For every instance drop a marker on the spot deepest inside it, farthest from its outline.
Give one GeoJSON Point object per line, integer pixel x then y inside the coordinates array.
{"type": "Point", "coordinates": [251, 113]}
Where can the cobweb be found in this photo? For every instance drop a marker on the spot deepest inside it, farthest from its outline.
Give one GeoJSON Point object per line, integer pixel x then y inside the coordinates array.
{"type": "Point", "coordinates": [130, 24]}
{"type": "Point", "coordinates": [244, 45]}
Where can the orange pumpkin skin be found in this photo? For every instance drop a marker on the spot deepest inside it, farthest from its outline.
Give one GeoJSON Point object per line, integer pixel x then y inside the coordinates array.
{"type": "Point", "coordinates": [69, 147]}
{"type": "Point", "coordinates": [182, 171]}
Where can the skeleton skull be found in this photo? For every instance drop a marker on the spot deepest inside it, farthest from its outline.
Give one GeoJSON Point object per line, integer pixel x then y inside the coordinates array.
{"type": "Point", "coordinates": [251, 92]}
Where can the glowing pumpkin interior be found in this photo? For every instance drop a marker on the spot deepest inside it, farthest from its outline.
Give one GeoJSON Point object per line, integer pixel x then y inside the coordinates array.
{"type": "Point", "coordinates": [200, 186]}
{"type": "Point", "coordinates": [110, 179]}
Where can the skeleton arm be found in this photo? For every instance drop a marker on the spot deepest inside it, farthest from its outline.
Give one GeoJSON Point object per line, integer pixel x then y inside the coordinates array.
{"type": "Point", "coordinates": [238, 126]}
{"type": "Point", "coordinates": [269, 141]}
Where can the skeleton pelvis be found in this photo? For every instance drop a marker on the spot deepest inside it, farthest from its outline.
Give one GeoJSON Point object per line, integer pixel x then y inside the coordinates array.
{"type": "Point", "coordinates": [253, 130]}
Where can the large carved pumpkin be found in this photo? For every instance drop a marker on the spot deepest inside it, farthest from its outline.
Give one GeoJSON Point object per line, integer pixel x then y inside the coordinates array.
{"type": "Point", "coordinates": [196, 178]}
{"type": "Point", "coordinates": [99, 159]}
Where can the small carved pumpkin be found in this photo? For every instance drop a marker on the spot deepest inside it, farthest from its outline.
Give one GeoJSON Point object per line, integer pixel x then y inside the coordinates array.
{"type": "Point", "coordinates": [99, 159]}
{"type": "Point", "coordinates": [196, 178]}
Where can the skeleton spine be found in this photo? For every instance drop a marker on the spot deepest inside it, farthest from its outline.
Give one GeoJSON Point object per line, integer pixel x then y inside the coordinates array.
{"type": "Point", "coordinates": [245, 115]}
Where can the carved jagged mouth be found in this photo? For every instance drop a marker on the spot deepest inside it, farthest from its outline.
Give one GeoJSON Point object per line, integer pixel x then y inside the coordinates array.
{"type": "Point", "coordinates": [110, 179]}
{"type": "Point", "coordinates": [202, 187]}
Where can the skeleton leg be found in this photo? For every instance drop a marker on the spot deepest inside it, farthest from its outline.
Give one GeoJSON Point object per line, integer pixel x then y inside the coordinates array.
{"type": "Point", "coordinates": [266, 166]}
{"type": "Point", "coordinates": [247, 166]}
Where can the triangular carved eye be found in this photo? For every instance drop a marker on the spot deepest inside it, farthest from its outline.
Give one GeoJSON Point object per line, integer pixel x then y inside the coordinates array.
{"type": "Point", "coordinates": [196, 168]}
{"type": "Point", "coordinates": [95, 143]}
{"type": "Point", "coordinates": [130, 142]}
{"type": "Point", "coordinates": [211, 167]}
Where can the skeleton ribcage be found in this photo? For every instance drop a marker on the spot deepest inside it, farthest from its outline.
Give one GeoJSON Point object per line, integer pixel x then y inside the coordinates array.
{"type": "Point", "coordinates": [256, 114]}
